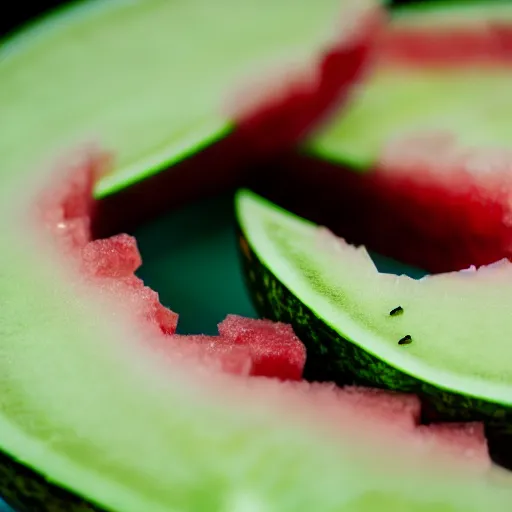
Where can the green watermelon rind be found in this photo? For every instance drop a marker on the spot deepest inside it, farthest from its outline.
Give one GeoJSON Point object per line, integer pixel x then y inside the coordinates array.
{"type": "Point", "coordinates": [332, 357]}
{"type": "Point", "coordinates": [31, 32]}
{"type": "Point", "coordinates": [26, 490]}
{"type": "Point", "coordinates": [463, 8]}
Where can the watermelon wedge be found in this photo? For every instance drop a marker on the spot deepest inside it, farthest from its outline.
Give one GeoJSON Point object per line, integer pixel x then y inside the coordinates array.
{"type": "Point", "coordinates": [158, 82]}
{"type": "Point", "coordinates": [101, 410]}
{"type": "Point", "coordinates": [418, 166]}
{"type": "Point", "coordinates": [444, 337]}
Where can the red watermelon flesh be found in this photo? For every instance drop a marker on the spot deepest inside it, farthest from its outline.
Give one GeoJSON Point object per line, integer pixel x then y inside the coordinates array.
{"type": "Point", "coordinates": [484, 42]}
{"type": "Point", "coordinates": [117, 256]}
{"type": "Point", "coordinates": [401, 413]}
{"type": "Point", "coordinates": [272, 348]}
{"type": "Point", "coordinates": [441, 204]}
{"type": "Point", "coordinates": [248, 347]}
{"type": "Point", "coordinates": [429, 199]}
{"type": "Point", "coordinates": [66, 212]}
{"type": "Point", "coordinates": [276, 110]}
{"type": "Point", "coordinates": [275, 350]}
{"type": "Point", "coordinates": [429, 202]}
{"type": "Point", "coordinates": [467, 189]}
{"type": "Point", "coordinates": [420, 205]}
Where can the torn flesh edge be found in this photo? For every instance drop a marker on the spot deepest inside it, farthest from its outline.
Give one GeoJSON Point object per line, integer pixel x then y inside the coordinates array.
{"type": "Point", "coordinates": [65, 212]}
{"type": "Point", "coordinates": [326, 239]}
{"type": "Point", "coordinates": [111, 263]}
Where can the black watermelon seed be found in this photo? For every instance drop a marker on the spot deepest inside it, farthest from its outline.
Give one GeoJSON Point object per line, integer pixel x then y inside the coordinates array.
{"type": "Point", "coordinates": [406, 340]}
{"type": "Point", "coordinates": [397, 311]}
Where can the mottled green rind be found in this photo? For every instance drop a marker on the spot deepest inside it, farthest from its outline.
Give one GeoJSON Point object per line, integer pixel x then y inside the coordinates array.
{"type": "Point", "coordinates": [331, 357]}
{"type": "Point", "coordinates": [28, 491]}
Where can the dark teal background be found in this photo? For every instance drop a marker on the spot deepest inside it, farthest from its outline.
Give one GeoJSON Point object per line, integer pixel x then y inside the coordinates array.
{"type": "Point", "coordinates": [190, 258]}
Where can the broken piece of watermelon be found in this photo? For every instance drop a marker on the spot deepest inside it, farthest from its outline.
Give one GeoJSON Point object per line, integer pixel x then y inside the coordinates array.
{"type": "Point", "coordinates": [274, 348]}
{"type": "Point", "coordinates": [244, 347]}
{"type": "Point", "coordinates": [443, 337]}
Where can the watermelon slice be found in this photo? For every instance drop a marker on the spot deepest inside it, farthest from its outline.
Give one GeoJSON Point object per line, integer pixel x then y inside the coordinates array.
{"type": "Point", "coordinates": [422, 153]}
{"type": "Point", "coordinates": [444, 337]}
{"type": "Point", "coordinates": [272, 349]}
{"type": "Point", "coordinates": [102, 410]}
{"type": "Point", "coordinates": [158, 82]}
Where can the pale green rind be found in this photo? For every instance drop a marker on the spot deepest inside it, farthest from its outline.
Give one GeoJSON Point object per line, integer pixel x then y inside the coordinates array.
{"type": "Point", "coordinates": [202, 137]}
{"type": "Point", "coordinates": [398, 102]}
{"type": "Point", "coordinates": [287, 245]}
{"type": "Point", "coordinates": [149, 79]}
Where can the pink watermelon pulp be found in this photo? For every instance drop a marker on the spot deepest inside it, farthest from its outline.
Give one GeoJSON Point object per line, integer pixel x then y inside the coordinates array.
{"type": "Point", "coordinates": [485, 41]}
{"type": "Point", "coordinates": [244, 346]}
{"type": "Point", "coordinates": [429, 197]}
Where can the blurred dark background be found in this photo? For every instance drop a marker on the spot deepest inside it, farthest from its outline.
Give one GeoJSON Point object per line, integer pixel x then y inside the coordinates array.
{"type": "Point", "coordinates": [13, 14]}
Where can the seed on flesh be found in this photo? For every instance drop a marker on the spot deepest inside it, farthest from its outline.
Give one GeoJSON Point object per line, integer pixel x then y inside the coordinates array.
{"type": "Point", "coordinates": [406, 340]}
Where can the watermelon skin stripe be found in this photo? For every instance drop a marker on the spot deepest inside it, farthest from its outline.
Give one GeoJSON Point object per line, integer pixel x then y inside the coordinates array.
{"type": "Point", "coordinates": [28, 491]}
{"type": "Point", "coordinates": [330, 356]}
